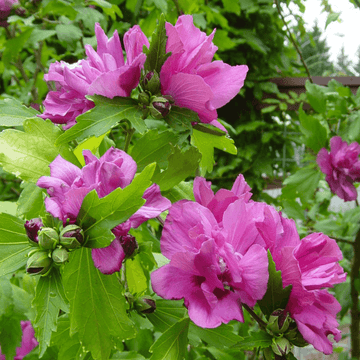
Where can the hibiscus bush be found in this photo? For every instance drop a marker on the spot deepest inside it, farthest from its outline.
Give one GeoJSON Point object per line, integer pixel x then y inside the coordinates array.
{"type": "Point", "coordinates": [118, 246]}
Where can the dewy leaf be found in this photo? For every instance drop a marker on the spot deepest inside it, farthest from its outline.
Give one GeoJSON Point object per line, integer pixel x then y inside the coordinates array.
{"type": "Point", "coordinates": [98, 216]}
{"type": "Point", "coordinates": [28, 153]}
{"type": "Point", "coordinates": [153, 147]}
{"type": "Point", "coordinates": [13, 113]}
{"type": "Point", "coordinates": [31, 201]}
{"type": "Point", "coordinates": [156, 54]}
{"type": "Point", "coordinates": [98, 306]}
{"type": "Point", "coordinates": [14, 245]}
{"type": "Point", "coordinates": [181, 165]}
{"type": "Point", "coordinates": [172, 344]}
{"type": "Point", "coordinates": [180, 119]}
{"type": "Point", "coordinates": [205, 143]}
{"type": "Point", "coordinates": [259, 339]}
{"type": "Point", "coordinates": [276, 297]}
{"type": "Point", "coordinates": [105, 115]}
{"type": "Point", "coordinates": [48, 301]}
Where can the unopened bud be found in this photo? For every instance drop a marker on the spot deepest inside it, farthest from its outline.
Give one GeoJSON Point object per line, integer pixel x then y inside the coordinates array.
{"type": "Point", "coordinates": [281, 346]}
{"type": "Point", "coordinates": [60, 256]}
{"type": "Point", "coordinates": [160, 107]}
{"type": "Point", "coordinates": [48, 238]}
{"type": "Point", "coordinates": [144, 98]}
{"type": "Point", "coordinates": [145, 305]}
{"type": "Point", "coordinates": [72, 236]}
{"type": "Point", "coordinates": [129, 245]}
{"type": "Point", "coordinates": [20, 11]}
{"type": "Point", "coordinates": [32, 227]}
{"type": "Point", "coordinates": [39, 263]}
{"type": "Point", "coordinates": [151, 82]}
{"type": "Point", "coordinates": [279, 322]}
{"type": "Point", "coordinates": [294, 336]}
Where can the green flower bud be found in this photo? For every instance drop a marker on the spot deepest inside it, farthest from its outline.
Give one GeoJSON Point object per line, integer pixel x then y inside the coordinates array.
{"type": "Point", "coordinates": [39, 263]}
{"type": "Point", "coordinates": [145, 305]}
{"type": "Point", "coordinates": [144, 98]}
{"type": "Point", "coordinates": [72, 236]}
{"type": "Point", "coordinates": [281, 346]}
{"type": "Point", "coordinates": [48, 238]}
{"type": "Point", "coordinates": [279, 322]}
{"type": "Point", "coordinates": [60, 256]}
{"type": "Point", "coordinates": [151, 82]}
{"type": "Point", "coordinates": [294, 336]}
{"type": "Point", "coordinates": [160, 107]}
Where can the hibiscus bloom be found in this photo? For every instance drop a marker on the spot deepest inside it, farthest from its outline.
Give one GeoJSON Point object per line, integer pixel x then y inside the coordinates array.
{"type": "Point", "coordinates": [68, 185]}
{"type": "Point", "coordinates": [5, 9]}
{"type": "Point", "coordinates": [191, 77]}
{"type": "Point", "coordinates": [341, 166]}
{"type": "Point", "coordinates": [104, 72]}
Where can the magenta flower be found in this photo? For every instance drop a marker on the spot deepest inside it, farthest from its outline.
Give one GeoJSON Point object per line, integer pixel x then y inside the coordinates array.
{"type": "Point", "coordinates": [341, 166]}
{"type": "Point", "coordinates": [310, 266]}
{"type": "Point", "coordinates": [104, 72]}
{"type": "Point", "coordinates": [28, 341]}
{"type": "Point", "coordinates": [191, 78]}
{"type": "Point", "coordinates": [214, 269]}
{"type": "Point", "coordinates": [68, 185]}
{"type": "Point", "coordinates": [5, 9]}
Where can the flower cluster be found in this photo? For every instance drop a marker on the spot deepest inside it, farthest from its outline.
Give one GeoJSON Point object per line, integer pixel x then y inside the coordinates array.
{"type": "Point", "coordinates": [5, 9]}
{"type": "Point", "coordinates": [341, 166]}
{"type": "Point", "coordinates": [217, 251]}
{"type": "Point", "coordinates": [28, 341]}
{"type": "Point", "coordinates": [68, 185]}
{"type": "Point", "coordinates": [103, 72]}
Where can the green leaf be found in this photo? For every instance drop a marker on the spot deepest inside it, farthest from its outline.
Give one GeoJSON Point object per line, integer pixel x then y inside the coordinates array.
{"type": "Point", "coordinates": [130, 355]}
{"type": "Point", "coordinates": [28, 153]}
{"type": "Point", "coordinates": [135, 276]}
{"type": "Point", "coordinates": [205, 143]}
{"type": "Point", "coordinates": [153, 147]}
{"type": "Point", "coordinates": [10, 335]}
{"type": "Point", "coordinates": [156, 54]}
{"type": "Point", "coordinates": [98, 216]}
{"type": "Point", "coordinates": [31, 201]}
{"type": "Point", "coordinates": [15, 45]}
{"type": "Point", "coordinates": [293, 209]}
{"type": "Point", "coordinates": [8, 207]}
{"type": "Point", "coordinates": [14, 244]}
{"type": "Point", "coordinates": [269, 109]}
{"type": "Point", "coordinates": [302, 184]}
{"type": "Point", "coordinates": [315, 133]}
{"type": "Point", "coordinates": [331, 18]}
{"type": "Point", "coordinates": [105, 115]}
{"type": "Point", "coordinates": [48, 301]}
{"type": "Point", "coordinates": [172, 344]}
{"type": "Point", "coordinates": [259, 339]}
{"type": "Point", "coordinates": [183, 190]}
{"type": "Point", "coordinates": [98, 306]}
{"type": "Point", "coordinates": [68, 33]}
{"type": "Point", "coordinates": [276, 297]}
{"type": "Point", "coordinates": [180, 119]}
{"type": "Point", "coordinates": [39, 35]}
{"type": "Point", "coordinates": [13, 113]}
{"type": "Point", "coordinates": [316, 96]}
{"type": "Point", "coordinates": [181, 165]}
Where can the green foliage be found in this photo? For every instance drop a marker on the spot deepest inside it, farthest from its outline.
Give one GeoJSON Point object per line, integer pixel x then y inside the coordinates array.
{"type": "Point", "coordinates": [13, 113]}
{"type": "Point", "coordinates": [259, 339]}
{"type": "Point", "coordinates": [31, 202]}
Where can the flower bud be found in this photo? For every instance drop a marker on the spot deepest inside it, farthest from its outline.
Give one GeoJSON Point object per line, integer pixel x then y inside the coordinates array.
{"type": "Point", "coordinates": [32, 227]}
{"type": "Point", "coordinates": [281, 346]}
{"type": "Point", "coordinates": [72, 236]}
{"type": "Point", "coordinates": [39, 263]}
{"type": "Point", "coordinates": [145, 305]}
{"type": "Point", "coordinates": [160, 107]}
{"type": "Point", "coordinates": [294, 336]}
{"type": "Point", "coordinates": [60, 256]}
{"type": "Point", "coordinates": [48, 238]}
{"type": "Point", "coordinates": [151, 82]}
{"type": "Point", "coordinates": [129, 245]}
{"type": "Point", "coordinates": [144, 98]}
{"type": "Point", "coordinates": [279, 322]}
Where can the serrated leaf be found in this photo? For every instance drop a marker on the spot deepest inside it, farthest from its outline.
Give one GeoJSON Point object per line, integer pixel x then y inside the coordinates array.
{"type": "Point", "coordinates": [259, 339]}
{"type": "Point", "coordinates": [316, 96]}
{"type": "Point", "coordinates": [98, 306]}
{"type": "Point", "coordinates": [180, 119]}
{"type": "Point", "coordinates": [156, 54]}
{"type": "Point", "coordinates": [91, 144]}
{"type": "Point", "coordinates": [28, 153]}
{"type": "Point", "coordinates": [13, 113]}
{"type": "Point", "coordinates": [14, 245]}
{"type": "Point", "coordinates": [181, 165]}
{"type": "Point", "coordinates": [153, 147]}
{"type": "Point", "coordinates": [98, 216]}
{"type": "Point", "coordinates": [136, 279]}
{"type": "Point", "coordinates": [31, 201]}
{"type": "Point", "coordinates": [205, 143]}
{"type": "Point", "coordinates": [48, 301]}
{"type": "Point", "coordinates": [172, 344]}
{"type": "Point", "coordinates": [276, 297]}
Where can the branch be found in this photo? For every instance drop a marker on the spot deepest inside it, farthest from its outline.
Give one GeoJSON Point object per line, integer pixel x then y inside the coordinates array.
{"type": "Point", "coordinates": [291, 38]}
{"type": "Point", "coordinates": [261, 323]}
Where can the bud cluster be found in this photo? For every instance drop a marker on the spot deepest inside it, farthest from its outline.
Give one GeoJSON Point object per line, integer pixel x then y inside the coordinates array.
{"type": "Point", "coordinates": [52, 245]}
{"type": "Point", "coordinates": [285, 334]}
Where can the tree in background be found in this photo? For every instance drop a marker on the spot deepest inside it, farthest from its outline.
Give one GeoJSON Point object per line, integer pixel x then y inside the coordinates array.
{"type": "Point", "coordinates": [344, 64]}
